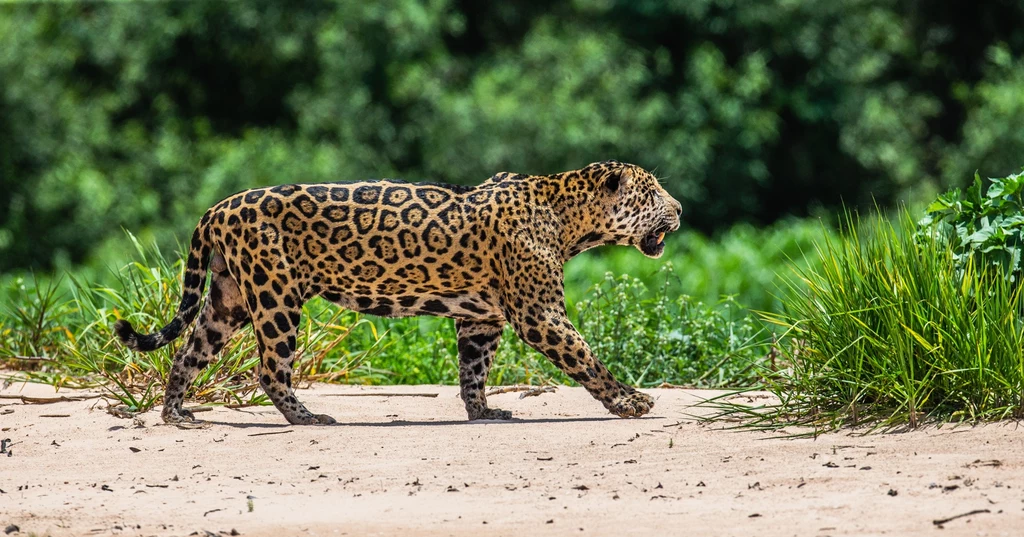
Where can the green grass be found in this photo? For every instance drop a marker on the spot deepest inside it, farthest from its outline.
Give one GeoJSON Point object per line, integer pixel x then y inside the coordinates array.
{"type": "Point", "coordinates": [884, 329]}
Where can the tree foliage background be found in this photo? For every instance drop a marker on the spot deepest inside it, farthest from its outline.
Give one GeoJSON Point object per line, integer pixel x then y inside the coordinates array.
{"type": "Point", "coordinates": [141, 115]}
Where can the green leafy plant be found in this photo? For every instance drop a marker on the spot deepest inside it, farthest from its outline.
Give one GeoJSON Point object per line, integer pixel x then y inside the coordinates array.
{"type": "Point", "coordinates": [983, 227]}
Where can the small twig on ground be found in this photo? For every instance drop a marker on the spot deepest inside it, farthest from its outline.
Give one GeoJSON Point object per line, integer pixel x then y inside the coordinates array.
{"type": "Point", "coordinates": [672, 386]}
{"type": "Point", "coordinates": [48, 400]}
{"type": "Point", "coordinates": [537, 391]}
{"type": "Point", "coordinates": [55, 415]}
{"type": "Point", "coordinates": [528, 391]}
{"type": "Point", "coordinates": [271, 432]}
{"type": "Point", "coordinates": [940, 522]}
{"type": "Point", "coordinates": [380, 394]}
{"type": "Point", "coordinates": [995, 463]}
{"type": "Point", "coordinates": [190, 425]}
{"type": "Point", "coordinates": [507, 389]}
{"type": "Point", "coordinates": [200, 408]}
{"type": "Point", "coordinates": [120, 412]}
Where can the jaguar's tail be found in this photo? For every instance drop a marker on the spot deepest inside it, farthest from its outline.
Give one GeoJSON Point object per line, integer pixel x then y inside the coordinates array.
{"type": "Point", "coordinates": [192, 289]}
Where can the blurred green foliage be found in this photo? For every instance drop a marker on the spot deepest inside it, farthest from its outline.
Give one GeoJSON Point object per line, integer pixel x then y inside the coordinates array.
{"type": "Point", "coordinates": [141, 115]}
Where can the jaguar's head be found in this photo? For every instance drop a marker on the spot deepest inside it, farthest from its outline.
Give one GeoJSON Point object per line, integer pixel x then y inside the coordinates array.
{"type": "Point", "coordinates": [636, 209]}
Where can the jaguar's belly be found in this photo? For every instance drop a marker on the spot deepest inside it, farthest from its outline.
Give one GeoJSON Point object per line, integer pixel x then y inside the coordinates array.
{"type": "Point", "coordinates": [468, 305]}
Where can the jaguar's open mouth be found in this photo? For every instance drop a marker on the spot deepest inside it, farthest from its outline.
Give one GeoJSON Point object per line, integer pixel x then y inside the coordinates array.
{"type": "Point", "coordinates": [653, 244]}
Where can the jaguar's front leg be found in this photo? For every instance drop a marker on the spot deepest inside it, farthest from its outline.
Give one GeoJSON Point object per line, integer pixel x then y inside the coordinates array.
{"type": "Point", "coordinates": [557, 339]}
{"type": "Point", "coordinates": [478, 341]}
{"type": "Point", "coordinates": [539, 318]}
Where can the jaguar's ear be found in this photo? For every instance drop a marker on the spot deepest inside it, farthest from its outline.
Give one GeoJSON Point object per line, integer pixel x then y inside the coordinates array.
{"type": "Point", "coordinates": [617, 178]}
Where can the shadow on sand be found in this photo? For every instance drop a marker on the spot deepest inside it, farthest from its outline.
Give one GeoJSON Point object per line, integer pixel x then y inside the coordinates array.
{"type": "Point", "coordinates": [407, 423]}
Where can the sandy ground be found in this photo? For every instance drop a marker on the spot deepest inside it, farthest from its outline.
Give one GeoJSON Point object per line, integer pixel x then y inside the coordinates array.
{"type": "Point", "coordinates": [408, 465]}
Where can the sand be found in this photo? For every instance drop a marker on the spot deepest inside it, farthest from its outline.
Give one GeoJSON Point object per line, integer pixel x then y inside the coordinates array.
{"type": "Point", "coordinates": [409, 465]}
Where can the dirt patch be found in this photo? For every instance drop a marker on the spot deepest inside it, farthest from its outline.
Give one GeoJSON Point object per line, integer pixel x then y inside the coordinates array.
{"type": "Point", "coordinates": [398, 464]}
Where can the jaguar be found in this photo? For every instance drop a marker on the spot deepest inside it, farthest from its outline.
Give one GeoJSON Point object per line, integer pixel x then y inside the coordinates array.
{"type": "Point", "coordinates": [484, 256]}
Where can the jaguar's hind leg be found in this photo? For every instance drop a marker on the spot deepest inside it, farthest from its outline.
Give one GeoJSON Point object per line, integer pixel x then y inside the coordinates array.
{"type": "Point", "coordinates": [275, 328]}
{"type": "Point", "coordinates": [222, 315]}
{"type": "Point", "coordinates": [478, 341]}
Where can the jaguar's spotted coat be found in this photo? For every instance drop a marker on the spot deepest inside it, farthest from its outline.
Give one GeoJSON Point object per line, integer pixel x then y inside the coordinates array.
{"type": "Point", "coordinates": [484, 256]}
